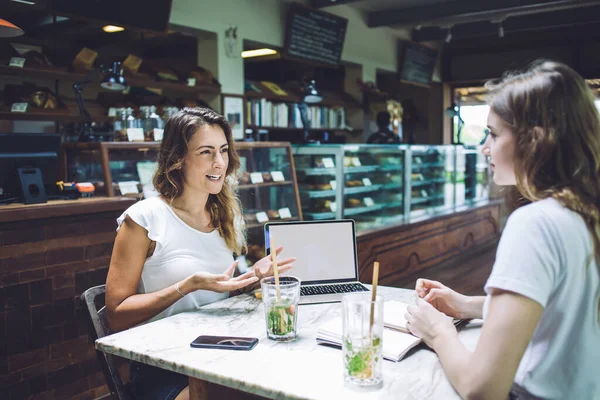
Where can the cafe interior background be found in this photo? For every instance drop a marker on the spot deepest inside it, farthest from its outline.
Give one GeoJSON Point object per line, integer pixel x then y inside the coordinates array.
{"type": "Point", "coordinates": [90, 84]}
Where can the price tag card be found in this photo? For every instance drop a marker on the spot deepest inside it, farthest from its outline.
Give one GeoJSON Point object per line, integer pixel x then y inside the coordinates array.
{"type": "Point", "coordinates": [158, 134]}
{"type": "Point", "coordinates": [369, 202]}
{"type": "Point", "coordinates": [333, 206]}
{"type": "Point", "coordinates": [284, 213]}
{"type": "Point", "coordinates": [19, 107]}
{"type": "Point", "coordinates": [135, 134]}
{"type": "Point", "coordinates": [127, 187]}
{"type": "Point", "coordinates": [328, 163]}
{"type": "Point", "coordinates": [424, 193]}
{"type": "Point", "coordinates": [277, 176]}
{"type": "Point", "coordinates": [262, 217]}
{"type": "Point", "coordinates": [418, 160]}
{"type": "Point", "coordinates": [18, 62]}
{"type": "Point", "coordinates": [191, 82]}
{"type": "Point", "coordinates": [356, 161]}
{"type": "Point", "coordinates": [366, 182]}
{"type": "Point", "coordinates": [333, 185]}
{"type": "Point", "coordinates": [256, 177]}
{"type": "Point", "coordinates": [112, 111]}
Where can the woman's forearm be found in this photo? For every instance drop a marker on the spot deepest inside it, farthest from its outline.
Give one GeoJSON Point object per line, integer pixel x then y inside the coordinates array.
{"type": "Point", "coordinates": [455, 360]}
{"type": "Point", "coordinates": [141, 307]}
{"type": "Point", "coordinates": [474, 307]}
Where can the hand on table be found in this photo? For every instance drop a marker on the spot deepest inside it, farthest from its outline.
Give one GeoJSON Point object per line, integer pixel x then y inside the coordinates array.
{"type": "Point", "coordinates": [427, 323]}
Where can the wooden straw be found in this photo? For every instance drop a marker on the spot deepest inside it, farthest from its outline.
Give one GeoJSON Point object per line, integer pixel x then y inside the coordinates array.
{"type": "Point", "coordinates": [374, 294]}
{"type": "Point", "coordinates": [275, 271]}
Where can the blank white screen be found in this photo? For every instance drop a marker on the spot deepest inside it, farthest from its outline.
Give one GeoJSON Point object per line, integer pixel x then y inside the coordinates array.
{"type": "Point", "coordinates": [324, 251]}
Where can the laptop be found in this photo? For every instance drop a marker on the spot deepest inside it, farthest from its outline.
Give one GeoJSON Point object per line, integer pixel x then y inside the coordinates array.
{"type": "Point", "coordinates": [325, 252]}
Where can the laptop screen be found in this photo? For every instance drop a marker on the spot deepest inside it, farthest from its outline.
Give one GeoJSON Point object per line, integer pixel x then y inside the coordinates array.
{"type": "Point", "coordinates": [325, 250]}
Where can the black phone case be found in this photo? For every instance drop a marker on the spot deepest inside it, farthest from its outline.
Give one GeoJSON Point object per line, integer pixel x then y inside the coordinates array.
{"type": "Point", "coordinates": [224, 342]}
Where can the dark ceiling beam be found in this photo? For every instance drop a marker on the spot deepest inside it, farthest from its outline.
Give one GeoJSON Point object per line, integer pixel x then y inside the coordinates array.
{"type": "Point", "coordinates": [329, 3]}
{"type": "Point", "coordinates": [524, 23]}
{"type": "Point", "coordinates": [466, 11]}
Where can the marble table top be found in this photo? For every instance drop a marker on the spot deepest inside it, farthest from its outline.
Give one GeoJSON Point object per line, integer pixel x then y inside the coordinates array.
{"type": "Point", "coordinates": [301, 369]}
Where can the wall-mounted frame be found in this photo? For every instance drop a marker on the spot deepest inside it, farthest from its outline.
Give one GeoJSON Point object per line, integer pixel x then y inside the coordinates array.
{"type": "Point", "coordinates": [233, 106]}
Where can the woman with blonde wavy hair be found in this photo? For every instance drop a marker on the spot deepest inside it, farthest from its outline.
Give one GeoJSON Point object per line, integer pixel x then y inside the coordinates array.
{"type": "Point", "coordinates": [541, 329]}
{"type": "Point", "coordinates": [174, 253]}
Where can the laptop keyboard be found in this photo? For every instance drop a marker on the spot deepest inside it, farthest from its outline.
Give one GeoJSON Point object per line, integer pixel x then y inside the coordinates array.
{"type": "Point", "coordinates": [332, 289]}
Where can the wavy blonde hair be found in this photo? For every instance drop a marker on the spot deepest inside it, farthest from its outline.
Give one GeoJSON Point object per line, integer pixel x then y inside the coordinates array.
{"type": "Point", "coordinates": [557, 131]}
{"type": "Point", "coordinates": [224, 208]}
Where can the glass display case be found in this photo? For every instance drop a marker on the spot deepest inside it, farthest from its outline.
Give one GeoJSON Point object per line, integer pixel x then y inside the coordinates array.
{"type": "Point", "coordinates": [362, 182]}
{"type": "Point", "coordinates": [473, 175]}
{"type": "Point", "coordinates": [386, 184]}
{"type": "Point", "coordinates": [431, 178]}
{"type": "Point", "coordinates": [267, 187]}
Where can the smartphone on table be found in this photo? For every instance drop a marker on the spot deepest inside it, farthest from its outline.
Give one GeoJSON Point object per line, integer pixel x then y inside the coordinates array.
{"type": "Point", "coordinates": [224, 342]}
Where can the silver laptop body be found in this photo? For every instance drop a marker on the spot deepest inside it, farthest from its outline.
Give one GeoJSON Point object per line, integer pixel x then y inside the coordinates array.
{"type": "Point", "coordinates": [326, 257]}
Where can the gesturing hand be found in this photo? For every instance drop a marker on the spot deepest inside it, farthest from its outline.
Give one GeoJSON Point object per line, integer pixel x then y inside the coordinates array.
{"type": "Point", "coordinates": [222, 283]}
{"type": "Point", "coordinates": [442, 298]}
{"type": "Point", "coordinates": [264, 267]}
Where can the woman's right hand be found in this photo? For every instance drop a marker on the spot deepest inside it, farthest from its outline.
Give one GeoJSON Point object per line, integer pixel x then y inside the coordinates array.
{"type": "Point", "coordinates": [443, 298]}
{"type": "Point", "coordinates": [220, 283]}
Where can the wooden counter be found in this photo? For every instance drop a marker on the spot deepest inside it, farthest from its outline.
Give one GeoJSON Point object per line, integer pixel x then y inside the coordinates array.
{"type": "Point", "coordinates": [402, 250]}
{"type": "Point", "coordinates": [62, 208]}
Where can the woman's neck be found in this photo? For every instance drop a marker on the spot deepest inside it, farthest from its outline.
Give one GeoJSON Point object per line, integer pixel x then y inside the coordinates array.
{"type": "Point", "coordinates": [192, 202]}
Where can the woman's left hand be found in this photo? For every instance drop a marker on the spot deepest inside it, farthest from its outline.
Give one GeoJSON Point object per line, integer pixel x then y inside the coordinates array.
{"type": "Point", "coordinates": [427, 323]}
{"type": "Point", "coordinates": [264, 267]}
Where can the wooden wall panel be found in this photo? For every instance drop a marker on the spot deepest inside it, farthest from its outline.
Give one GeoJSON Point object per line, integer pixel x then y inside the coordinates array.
{"type": "Point", "coordinates": [401, 251]}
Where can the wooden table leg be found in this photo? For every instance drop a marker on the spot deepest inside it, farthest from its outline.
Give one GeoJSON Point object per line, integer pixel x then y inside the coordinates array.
{"type": "Point", "coordinates": [198, 389]}
{"type": "Point", "coordinates": [203, 390]}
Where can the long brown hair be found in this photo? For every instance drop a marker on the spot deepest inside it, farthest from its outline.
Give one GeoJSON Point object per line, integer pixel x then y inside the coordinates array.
{"type": "Point", "coordinates": [224, 208]}
{"type": "Point", "coordinates": [557, 137]}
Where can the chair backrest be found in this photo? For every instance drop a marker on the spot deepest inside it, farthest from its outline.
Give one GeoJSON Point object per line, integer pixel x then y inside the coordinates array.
{"type": "Point", "coordinates": [94, 300]}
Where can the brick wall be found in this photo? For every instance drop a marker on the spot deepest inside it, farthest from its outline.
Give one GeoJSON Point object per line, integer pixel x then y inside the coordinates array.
{"type": "Point", "coordinates": [45, 265]}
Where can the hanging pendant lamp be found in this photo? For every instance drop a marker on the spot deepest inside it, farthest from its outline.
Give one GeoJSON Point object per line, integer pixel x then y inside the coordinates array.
{"type": "Point", "coordinates": [9, 30]}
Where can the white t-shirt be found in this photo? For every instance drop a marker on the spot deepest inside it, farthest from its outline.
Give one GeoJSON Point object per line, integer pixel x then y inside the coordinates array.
{"type": "Point", "coordinates": [542, 255]}
{"type": "Point", "coordinates": [180, 251]}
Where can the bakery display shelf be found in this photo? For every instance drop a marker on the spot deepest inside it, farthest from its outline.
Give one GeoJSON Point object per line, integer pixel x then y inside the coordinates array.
{"type": "Point", "coordinates": [319, 215]}
{"type": "Point", "coordinates": [361, 169]}
{"type": "Point", "coordinates": [391, 186]}
{"type": "Point", "coordinates": [316, 194]}
{"type": "Point", "coordinates": [428, 165]}
{"type": "Point", "coordinates": [420, 200]}
{"type": "Point", "coordinates": [263, 185]}
{"type": "Point", "coordinates": [316, 171]}
{"type": "Point", "coordinates": [348, 212]}
{"type": "Point", "coordinates": [361, 189]}
{"type": "Point", "coordinates": [390, 168]}
{"type": "Point", "coordinates": [427, 182]}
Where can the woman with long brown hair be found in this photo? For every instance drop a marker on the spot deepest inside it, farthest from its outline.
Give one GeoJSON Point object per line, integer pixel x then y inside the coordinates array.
{"type": "Point", "coordinates": [174, 253]}
{"type": "Point", "coordinates": [541, 330]}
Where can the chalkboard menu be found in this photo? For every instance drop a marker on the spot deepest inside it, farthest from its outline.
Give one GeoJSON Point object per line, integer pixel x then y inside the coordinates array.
{"type": "Point", "coordinates": [417, 63]}
{"type": "Point", "coordinates": [315, 35]}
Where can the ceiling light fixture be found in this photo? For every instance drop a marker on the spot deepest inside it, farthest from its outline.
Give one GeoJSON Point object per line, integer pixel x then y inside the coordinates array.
{"type": "Point", "coordinates": [29, 3]}
{"type": "Point", "coordinates": [112, 28]}
{"type": "Point", "coordinates": [258, 53]}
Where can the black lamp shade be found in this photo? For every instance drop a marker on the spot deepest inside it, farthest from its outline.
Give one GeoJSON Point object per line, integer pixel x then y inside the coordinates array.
{"type": "Point", "coordinates": [311, 94]}
{"type": "Point", "coordinates": [113, 79]}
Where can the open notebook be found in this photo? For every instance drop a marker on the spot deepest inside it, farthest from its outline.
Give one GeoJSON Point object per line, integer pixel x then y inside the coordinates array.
{"type": "Point", "coordinates": [396, 339]}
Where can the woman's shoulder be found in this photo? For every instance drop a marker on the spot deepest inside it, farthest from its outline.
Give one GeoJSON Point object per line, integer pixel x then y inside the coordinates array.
{"type": "Point", "coordinates": [548, 214]}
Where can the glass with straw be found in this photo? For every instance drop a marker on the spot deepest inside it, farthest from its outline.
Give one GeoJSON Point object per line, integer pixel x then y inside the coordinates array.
{"type": "Point", "coordinates": [362, 337]}
{"type": "Point", "coordinates": [280, 297]}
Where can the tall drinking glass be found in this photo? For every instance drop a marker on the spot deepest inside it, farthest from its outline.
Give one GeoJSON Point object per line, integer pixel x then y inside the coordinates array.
{"type": "Point", "coordinates": [281, 313]}
{"type": "Point", "coordinates": [361, 340]}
